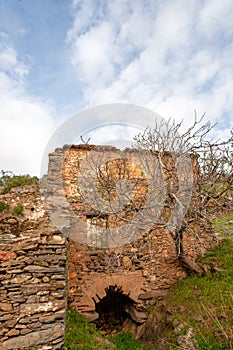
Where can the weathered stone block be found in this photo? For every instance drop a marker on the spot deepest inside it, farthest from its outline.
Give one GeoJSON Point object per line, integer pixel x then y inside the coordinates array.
{"type": "Point", "coordinates": [6, 307]}
{"type": "Point", "coordinates": [12, 332]}
{"type": "Point", "coordinates": [29, 309]}
{"type": "Point", "coordinates": [34, 338]}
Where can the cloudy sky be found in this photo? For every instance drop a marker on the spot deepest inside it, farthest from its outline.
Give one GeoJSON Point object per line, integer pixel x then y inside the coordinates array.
{"type": "Point", "coordinates": [59, 57]}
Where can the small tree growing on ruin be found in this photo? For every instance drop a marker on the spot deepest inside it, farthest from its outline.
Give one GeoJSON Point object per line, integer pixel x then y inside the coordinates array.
{"type": "Point", "coordinates": [213, 182]}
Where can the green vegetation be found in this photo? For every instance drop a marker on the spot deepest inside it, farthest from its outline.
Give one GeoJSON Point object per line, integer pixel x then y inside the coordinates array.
{"type": "Point", "coordinates": [206, 303]}
{"type": "Point", "coordinates": [18, 210]}
{"type": "Point", "coordinates": [80, 334]}
{"type": "Point", "coordinates": [3, 206]}
{"type": "Point", "coordinates": [8, 180]}
{"type": "Point", "coordinates": [125, 341]}
{"type": "Point", "coordinates": [224, 226]}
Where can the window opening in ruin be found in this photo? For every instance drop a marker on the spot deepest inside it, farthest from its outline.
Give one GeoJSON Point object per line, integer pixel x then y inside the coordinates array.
{"type": "Point", "coordinates": [113, 309]}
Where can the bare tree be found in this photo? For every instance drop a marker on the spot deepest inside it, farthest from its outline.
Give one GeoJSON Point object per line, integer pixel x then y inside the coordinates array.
{"type": "Point", "coordinates": [213, 175]}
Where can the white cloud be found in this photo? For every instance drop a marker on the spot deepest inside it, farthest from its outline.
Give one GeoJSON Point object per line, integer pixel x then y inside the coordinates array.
{"type": "Point", "coordinates": [26, 121]}
{"type": "Point", "coordinates": [9, 61]}
{"type": "Point", "coordinates": [171, 56]}
{"type": "Point", "coordinates": [94, 53]}
{"type": "Point", "coordinates": [216, 18]}
{"type": "Point", "coordinates": [8, 57]}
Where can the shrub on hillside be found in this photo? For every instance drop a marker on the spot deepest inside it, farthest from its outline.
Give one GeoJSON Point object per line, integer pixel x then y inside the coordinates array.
{"type": "Point", "coordinates": [8, 180]}
{"type": "Point", "coordinates": [18, 210]}
{"type": "Point", "coordinates": [3, 206]}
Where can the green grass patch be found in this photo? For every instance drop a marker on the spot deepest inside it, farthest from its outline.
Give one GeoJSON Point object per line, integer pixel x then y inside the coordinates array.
{"type": "Point", "coordinates": [209, 343]}
{"type": "Point", "coordinates": [224, 226]}
{"type": "Point", "coordinates": [81, 334]}
{"type": "Point", "coordinates": [206, 303]}
{"type": "Point", "coordinates": [125, 341]}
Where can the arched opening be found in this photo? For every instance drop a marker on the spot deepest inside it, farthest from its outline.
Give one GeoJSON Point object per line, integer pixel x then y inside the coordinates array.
{"type": "Point", "coordinates": [114, 308]}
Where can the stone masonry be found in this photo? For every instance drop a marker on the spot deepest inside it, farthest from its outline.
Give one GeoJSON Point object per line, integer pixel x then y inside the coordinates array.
{"type": "Point", "coordinates": [144, 268]}
{"type": "Point", "coordinates": [33, 275]}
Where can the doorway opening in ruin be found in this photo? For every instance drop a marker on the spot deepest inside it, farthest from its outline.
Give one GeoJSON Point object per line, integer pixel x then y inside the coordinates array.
{"type": "Point", "coordinates": [113, 309]}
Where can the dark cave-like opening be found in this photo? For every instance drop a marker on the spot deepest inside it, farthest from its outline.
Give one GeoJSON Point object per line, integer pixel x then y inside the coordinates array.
{"type": "Point", "coordinates": [113, 308]}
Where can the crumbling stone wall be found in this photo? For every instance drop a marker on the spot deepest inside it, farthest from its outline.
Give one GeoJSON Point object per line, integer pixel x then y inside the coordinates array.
{"type": "Point", "coordinates": [33, 275]}
{"type": "Point", "coordinates": [144, 268]}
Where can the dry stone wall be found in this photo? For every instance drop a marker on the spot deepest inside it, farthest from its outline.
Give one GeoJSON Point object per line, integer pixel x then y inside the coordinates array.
{"type": "Point", "coordinates": [144, 268]}
{"type": "Point", "coordinates": [33, 275]}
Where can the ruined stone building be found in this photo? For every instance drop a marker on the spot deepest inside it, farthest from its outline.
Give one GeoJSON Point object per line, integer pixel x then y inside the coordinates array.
{"type": "Point", "coordinates": [143, 262]}
{"type": "Point", "coordinates": [114, 252]}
